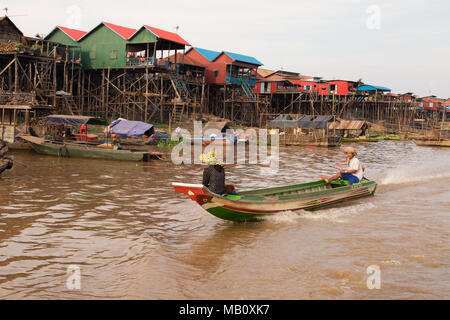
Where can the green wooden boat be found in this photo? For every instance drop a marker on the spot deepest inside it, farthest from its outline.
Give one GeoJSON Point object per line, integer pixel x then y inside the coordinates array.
{"type": "Point", "coordinates": [77, 150]}
{"type": "Point", "coordinates": [254, 204]}
{"type": "Point", "coordinates": [349, 140]}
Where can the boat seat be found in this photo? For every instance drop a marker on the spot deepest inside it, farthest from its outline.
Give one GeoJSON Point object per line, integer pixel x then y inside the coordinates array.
{"type": "Point", "coordinates": [234, 197]}
{"type": "Point", "coordinates": [339, 183]}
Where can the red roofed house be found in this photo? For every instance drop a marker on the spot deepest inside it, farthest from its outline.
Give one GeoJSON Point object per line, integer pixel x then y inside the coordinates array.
{"type": "Point", "coordinates": [144, 47]}
{"type": "Point", "coordinates": [105, 46]}
{"type": "Point", "coordinates": [68, 38]}
{"type": "Point", "coordinates": [432, 103]}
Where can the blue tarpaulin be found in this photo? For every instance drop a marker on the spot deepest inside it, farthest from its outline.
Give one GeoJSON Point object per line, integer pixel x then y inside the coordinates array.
{"type": "Point", "coordinates": [127, 128]}
{"type": "Point", "coordinates": [372, 88]}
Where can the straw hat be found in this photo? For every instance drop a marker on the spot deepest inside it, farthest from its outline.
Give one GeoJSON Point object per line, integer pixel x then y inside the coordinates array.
{"type": "Point", "coordinates": [210, 158]}
{"type": "Point", "coordinates": [350, 150]}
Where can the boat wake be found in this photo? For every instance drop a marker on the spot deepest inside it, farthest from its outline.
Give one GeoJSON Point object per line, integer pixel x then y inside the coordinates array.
{"type": "Point", "coordinates": [436, 168]}
{"type": "Point", "coordinates": [335, 214]}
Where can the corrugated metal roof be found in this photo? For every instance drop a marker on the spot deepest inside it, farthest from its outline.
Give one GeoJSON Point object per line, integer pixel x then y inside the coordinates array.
{"type": "Point", "coordinates": [265, 72]}
{"type": "Point", "coordinates": [185, 59]}
{"type": "Point", "coordinates": [124, 32]}
{"type": "Point", "coordinates": [167, 35]}
{"type": "Point", "coordinates": [243, 58]}
{"type": "Point", "coordinates": [74, 34]}
{"type": "Point", "coordinates": [208, 54]}
{"type": "Point", "coordinates": [372, 88]}
{"type": "Point", "coordinates": [346, 125]}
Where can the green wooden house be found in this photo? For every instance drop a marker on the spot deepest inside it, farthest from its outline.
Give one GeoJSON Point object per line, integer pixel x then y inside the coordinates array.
{"type": "Point", "coordinates": [113, 46]}
{"type": "Point", "coordinates": [105, 46]}
{"type": "Point", "coordinates": [68, 40]}
{"type": "Point", "coordinates": [149, 42]}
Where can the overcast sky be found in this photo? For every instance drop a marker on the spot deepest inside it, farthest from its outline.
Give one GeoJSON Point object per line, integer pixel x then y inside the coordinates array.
{"type": "Point", "coordinates": [401, 44]}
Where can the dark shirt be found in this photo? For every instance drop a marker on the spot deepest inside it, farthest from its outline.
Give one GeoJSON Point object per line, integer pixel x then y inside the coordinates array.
{"type": "Point", "coordinates": [214, 179]}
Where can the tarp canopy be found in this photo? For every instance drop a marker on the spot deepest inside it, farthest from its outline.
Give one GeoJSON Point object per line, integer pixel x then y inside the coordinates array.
{"type": "Point", "coordinates": [372, 88]}
{"type": "Point", "coordinates": [347, 125]}
{"type": "Point", "coordinates": [74, 120]}
{"type": "Point", "coordinates": [283, 121]}
{"type": "Point", "coordinates": [127, 128]}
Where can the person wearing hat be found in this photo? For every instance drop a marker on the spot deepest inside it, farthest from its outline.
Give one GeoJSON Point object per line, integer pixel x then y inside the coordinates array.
{"type": "Point", "coordinates": [214, 174]}
{"type": "Point", "coordinates": [354, 171]}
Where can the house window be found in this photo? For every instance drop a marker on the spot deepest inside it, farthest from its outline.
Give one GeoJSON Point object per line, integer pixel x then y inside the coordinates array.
{"type": "Point", "coordinates": [113, 55]}
{"type": "Point", "coordinates": [216, 73]}
{"type": "Point", "coordinates": [93, 54]}
{"type": "Point", "coordinates": [307, 87]}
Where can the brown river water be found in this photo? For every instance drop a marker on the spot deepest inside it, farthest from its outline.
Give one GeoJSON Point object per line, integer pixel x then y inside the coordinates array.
{"type": "Point", "coordinates": [132, 237]}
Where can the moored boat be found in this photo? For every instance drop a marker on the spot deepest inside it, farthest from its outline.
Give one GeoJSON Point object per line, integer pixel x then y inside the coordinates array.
{"type": "Point", "coordinates": [433, 143]}
{"type": "Point", "coordinates": [79, 150]}
{"type": "Point", "coordinates": [6, 162]}
{"type": "Point", "coordinates": [212, 139]}
{"type": "Point", "coordinates": [349, 140]}
{"type": "Point", "coordinates": [369, 139]}
{"type": "Point", "coordinates": [254, 204]}
{"type": "Point", "coordinates": [3, 149]}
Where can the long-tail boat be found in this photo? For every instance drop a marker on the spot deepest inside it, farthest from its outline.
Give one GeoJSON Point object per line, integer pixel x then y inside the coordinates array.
{"type": "Point", "coordinates": [255, 204]}
{"type": "Point", "coordinates": [81, 150]}
{"type": "Point", "coordinates": [433, 143]}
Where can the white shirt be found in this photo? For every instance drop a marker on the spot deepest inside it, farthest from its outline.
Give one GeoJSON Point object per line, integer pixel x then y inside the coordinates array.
{"type": "Point", "coordinates": [354, 164]}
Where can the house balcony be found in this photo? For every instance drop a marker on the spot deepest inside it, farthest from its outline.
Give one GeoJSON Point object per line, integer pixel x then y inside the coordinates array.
{"type": "Point", "coordinates": [242, 79]}
{"type": "Point", "coordinates": [139, 61]}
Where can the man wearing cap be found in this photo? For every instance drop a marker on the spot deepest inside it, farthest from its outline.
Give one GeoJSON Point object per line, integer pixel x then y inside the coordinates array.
{"type": "Point", "coordinates": [354, 171]}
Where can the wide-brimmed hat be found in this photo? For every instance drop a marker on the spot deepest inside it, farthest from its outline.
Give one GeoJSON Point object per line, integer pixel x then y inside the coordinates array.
{"type": "Point", "coordinates": [210, 158]}
{"type": "Point", "coordinates": [350, 150]}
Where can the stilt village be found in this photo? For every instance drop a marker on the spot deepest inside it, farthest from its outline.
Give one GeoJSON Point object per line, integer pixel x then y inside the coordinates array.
{"type": "Point", "coordinates": [151, 75]}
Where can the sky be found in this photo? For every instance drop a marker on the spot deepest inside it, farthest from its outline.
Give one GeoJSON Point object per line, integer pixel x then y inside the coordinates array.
{"type": "Point", "coordinates": [401, 44]}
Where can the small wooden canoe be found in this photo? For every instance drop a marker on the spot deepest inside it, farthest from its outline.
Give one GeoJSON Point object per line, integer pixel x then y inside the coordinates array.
{"type": "Point", "coordinates": [75, 150]}
{"type": "Point", "coordinates": [6, 163]}
{"type": "Point", "coordinates": [210, 140]}
{"type": "Point", "coordinates": [3, 150]}
{"type": "Point", "coordinates": [253, 204]}
{"type": "Point", "coordinates": [432, 143]}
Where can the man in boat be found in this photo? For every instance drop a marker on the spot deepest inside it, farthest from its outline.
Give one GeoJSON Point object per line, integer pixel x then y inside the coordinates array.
{"type": "Point", "coordinates": [83, 129]}
{"type": "Point", "coordinates": [214, 175]}
{"type": "Point", "coordinates": [354, 171]}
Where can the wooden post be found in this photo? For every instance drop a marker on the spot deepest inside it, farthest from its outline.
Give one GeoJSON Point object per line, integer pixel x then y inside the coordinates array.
{"type": "Point", "coordinates": [224, 100]}
{"type": "Point", "coordinates": [103, 89]}
{"type": "Point", "coordinates": [161, 106]}
{"type": "Point", "coordinates": [16, 73]}
{"type": "Point", "coordinates": [107, 93]}
{"type": "Point", "coordinates": [3, 123]}
{"type": "Point", "coordinates": [27, 121]}
{"type": "Point", "coordinates": [146, 92]}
